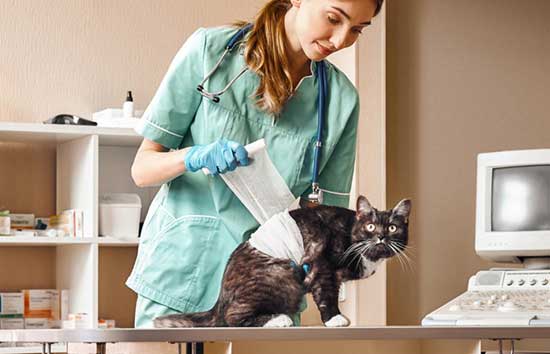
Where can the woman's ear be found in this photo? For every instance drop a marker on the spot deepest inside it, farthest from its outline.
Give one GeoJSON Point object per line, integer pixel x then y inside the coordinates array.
{"type": "Point", "coordinates": [296, 3]}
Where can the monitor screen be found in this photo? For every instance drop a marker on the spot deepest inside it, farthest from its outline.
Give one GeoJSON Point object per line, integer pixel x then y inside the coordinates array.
{"type": "Point", "coordinates": [521, 198]}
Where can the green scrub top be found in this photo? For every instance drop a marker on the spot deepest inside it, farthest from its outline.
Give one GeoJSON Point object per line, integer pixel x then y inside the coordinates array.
{"type": "Point", "coordinates": [195, 221]}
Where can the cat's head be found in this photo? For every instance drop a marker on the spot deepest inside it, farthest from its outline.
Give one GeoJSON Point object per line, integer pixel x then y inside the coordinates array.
{"type": "Point", "coordinates": [380, 234]}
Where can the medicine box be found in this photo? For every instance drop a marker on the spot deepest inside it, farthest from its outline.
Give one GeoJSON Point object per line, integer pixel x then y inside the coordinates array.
{"type": "Point", "coordinates": [119, 215]}
{"type": "Point", "coordinates": [12, 323]}
{"type": "Point", "coordinates": [69, 222]}
{"type": "Point", "coordinates": [101, 323]}
{"type": "Point", "coordinates": [46, 303]}
{"type": "Point", "coordinates": [22, 221]}
{"type": "Point", "coordinates": [76, 320]}
{"type": "Point", "coordinates": [37, 323]}
{"type": "Point", "coordinates": [11, 303]}
{"type": "Point", "coordinates": [38, 303]}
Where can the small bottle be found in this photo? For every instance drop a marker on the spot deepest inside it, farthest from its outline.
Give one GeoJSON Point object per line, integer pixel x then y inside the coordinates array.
{"type": "Point", "coordinates": [5, 224]}
{"type": "Point", "coordinates": [128, 106]}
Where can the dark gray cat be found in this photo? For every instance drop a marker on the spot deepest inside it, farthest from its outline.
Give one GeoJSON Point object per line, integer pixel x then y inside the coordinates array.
{"type": "Point", "coordinates": [339, 244]}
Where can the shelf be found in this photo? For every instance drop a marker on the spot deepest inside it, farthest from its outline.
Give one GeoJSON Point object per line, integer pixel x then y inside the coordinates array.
{"type": "Point", "coordinates": [55, 241]}
{"type": "Point", "coordinates": [85, 162]}
{"type": "Point", "coordinates": [56, 134]}
{"type": "Point", "coordinates": [118, 335]}
{"type": "Point", "coordinates": [43, 241]}
{"type": "Point", "coordinates": [114, 242]}
{"type": "Point", "coordinates": [56, 348]}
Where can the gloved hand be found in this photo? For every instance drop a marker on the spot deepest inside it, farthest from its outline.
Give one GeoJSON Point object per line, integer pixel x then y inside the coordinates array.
{"type": "Point", "coordinates": [219, 157]}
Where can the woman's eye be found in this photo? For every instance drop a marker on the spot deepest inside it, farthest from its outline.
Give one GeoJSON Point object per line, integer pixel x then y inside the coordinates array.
{"type": "Point", "coordinates": [392, 228]}
{"type": "Point", "coordinates": [371, 227]}
{"type": "Point", "coordinates": [333, 20]}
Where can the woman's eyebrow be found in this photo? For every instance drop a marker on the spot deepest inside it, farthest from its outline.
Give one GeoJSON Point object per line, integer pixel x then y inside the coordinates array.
{"type": "Point", "coordinates": [347, 16]}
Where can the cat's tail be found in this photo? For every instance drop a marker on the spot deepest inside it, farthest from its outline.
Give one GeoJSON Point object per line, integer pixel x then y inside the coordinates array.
{"type": "Point", "coordinates": [196, 319]}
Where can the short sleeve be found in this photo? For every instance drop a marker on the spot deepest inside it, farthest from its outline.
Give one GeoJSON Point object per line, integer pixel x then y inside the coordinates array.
{"type": "Point", "coordinates": [174, 105]}
{"type": "Point", "coordinates": [336, 177]}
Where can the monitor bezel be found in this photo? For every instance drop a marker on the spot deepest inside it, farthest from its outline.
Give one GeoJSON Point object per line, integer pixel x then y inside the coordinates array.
{"type": "Point", "coordinates": [506, 246]}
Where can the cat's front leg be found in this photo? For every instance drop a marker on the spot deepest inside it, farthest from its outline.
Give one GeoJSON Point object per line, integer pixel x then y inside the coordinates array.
{"type": "Point", "coordinates": [324, 289]}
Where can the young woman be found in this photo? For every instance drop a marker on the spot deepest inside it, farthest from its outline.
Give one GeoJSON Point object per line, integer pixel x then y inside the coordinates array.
{"type": "Point", "coordinates": [195, 221]}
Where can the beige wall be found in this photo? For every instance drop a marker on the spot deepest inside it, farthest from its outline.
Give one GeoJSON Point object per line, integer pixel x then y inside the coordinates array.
{"type": "Point", "coordinates": [463, 77]}
{"type": "Point", "coordinates": [82, 56]}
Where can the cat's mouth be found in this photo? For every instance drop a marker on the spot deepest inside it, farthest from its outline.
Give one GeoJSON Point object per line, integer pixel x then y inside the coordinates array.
{"type": "Point", "coordinates": [380, 250]}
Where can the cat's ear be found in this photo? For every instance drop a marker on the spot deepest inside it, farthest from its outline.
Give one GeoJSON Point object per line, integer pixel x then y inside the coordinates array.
{"type": "Point", "coordinates": [363, 206]}
{"type": "Point", "coordinates": [403, 208]}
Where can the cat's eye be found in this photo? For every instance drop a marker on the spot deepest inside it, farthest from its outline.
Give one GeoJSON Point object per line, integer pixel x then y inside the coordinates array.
{"type": "Point", "coordinates": [392, 228]}
{"type": "Point", "coordinates": [371, 227]}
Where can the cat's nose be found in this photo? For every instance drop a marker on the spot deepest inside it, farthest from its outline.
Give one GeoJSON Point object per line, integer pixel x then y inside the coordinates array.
{"type": "Point", "coordinates": [381, 238]}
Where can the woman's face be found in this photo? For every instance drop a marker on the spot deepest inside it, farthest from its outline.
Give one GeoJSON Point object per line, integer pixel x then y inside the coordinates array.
{"type": "Point", "coordinates": [326, 26]}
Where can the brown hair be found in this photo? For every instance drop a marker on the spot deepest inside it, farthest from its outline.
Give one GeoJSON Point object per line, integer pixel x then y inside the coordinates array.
{"type": "Point", "coordinates": [265, 54]}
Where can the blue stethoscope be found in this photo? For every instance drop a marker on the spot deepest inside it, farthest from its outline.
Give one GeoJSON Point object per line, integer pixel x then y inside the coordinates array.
{"type": "Point", "coordinates": [321, 73]}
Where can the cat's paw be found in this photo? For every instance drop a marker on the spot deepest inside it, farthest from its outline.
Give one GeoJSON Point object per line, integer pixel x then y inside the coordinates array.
{"type": "Point", "coordinates": [337, 321]}
{"type": "Point", "coordinates": [279, 321]}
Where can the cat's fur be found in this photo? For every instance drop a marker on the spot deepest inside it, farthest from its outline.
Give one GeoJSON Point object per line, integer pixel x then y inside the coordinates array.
{"type": "Point", "coordinates": [260, 290]}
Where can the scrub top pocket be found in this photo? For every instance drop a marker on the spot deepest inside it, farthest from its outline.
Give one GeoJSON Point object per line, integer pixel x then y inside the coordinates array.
{"type": "Point", "coordinates": [177, 258]}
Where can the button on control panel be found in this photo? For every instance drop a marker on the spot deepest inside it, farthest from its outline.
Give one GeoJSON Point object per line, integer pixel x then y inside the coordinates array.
{"type": "Point", "coordinates": [529, 279]}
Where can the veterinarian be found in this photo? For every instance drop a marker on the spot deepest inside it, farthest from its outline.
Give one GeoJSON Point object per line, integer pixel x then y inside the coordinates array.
{"type": "Point", "coordinates": [225, 88]}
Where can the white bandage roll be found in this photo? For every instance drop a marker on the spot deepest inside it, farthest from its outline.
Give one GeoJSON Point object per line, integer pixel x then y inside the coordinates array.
{"type": "Point", "coordinates": [279, 237]}
{"type": "Point", "coordinates": [259, 186]}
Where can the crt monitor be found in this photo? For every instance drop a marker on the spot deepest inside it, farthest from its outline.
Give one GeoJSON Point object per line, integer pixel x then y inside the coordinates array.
{"type": "Point", "coordinates": [513, 207]}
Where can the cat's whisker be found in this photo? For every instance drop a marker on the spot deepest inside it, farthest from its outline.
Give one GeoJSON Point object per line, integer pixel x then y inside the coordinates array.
{"type": "Point", "coordinates": [355, 260]}
{"type": "Point", "coordinates": [362, 252]}
{"type": "Point", "coordinates": [410, 250]}
{"type": "Point", "coordinates": [400, 248]}
{"type": "Point", "coordinates": [408, 261]}
{"type": "Point", "coordinates": [398, 257]}
{"type": "Point", "coordinates": [411, 262]}
{"type": "Point", "coordinates": [350, 251]}
{"type": "Point", "coordinates": [346, 254]}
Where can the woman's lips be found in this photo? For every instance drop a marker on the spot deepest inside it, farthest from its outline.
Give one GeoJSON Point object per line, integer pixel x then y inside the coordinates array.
{"type": "Point", "coordinates": [323, 50]}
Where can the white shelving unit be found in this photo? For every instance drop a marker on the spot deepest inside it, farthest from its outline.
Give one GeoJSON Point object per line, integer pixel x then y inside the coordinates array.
{"type": "Point", "coordinates": [56, 348]}
{"type": "Point", "coordinates": [90, 161]}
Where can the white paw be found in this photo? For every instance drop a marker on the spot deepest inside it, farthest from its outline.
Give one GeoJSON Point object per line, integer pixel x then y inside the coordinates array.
{"type": "Point", "coordinates": [337, 321]}
{"type": "Point", "coordinates": [279, 321]}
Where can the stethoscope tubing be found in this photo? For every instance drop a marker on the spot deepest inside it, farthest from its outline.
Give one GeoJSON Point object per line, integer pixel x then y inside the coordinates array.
{"type": "Point", "coordinates": [321, 101]}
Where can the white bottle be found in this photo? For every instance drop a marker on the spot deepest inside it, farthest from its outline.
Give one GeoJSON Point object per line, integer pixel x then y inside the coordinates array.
{"type": "Point", "coordinates": [128, 106]}
{"type": "Point", "coordinates": [5, 223]}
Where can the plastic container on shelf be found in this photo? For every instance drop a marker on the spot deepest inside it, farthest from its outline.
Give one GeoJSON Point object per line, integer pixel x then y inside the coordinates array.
{"type": "Point", "coordinates": [114, 118]}
{"type": "Point", "coordinates": [119, 215]}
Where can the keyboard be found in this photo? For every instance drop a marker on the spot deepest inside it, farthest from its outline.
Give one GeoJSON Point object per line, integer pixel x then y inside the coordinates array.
{"type": "Point", "coordinates": [498, 298]}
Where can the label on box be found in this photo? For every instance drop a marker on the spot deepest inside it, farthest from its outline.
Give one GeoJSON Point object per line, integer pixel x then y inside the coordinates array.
{"type": "Point", "coordinates": [54, 306]}
{"type": "Point", "coordinates": [37, 323]}
{"type": "Point", "coordinates": [22, 221]}
{"type": "Point", "coordinates": [104, 324]}
{"type": "Point", "coordinates": [76, 320]}
{"type": "Point", "coordinates": [12, 323]}
{"type": "Point", "coordinates": [38, 303]}
{"type": "Point", "coordinates": [11, 303]}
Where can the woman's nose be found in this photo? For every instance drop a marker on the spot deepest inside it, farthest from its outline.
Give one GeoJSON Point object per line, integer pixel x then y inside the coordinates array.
{"type": "Point", "coordinates": [340, 40]}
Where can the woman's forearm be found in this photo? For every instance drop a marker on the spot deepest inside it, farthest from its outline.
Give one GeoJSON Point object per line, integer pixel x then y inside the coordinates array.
{"type": "Point", "coordinates": [153, 168]}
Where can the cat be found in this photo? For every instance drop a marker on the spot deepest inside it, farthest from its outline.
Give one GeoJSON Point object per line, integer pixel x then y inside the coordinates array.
{"type": "Point", "coordinates": [339, 244]}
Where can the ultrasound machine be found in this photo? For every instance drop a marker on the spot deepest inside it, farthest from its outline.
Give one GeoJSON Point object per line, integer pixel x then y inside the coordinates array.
{"type": "Point", "coordinates": [512, 226]}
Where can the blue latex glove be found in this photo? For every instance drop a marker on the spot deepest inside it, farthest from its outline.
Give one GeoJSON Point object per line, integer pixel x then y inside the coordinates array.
{"type": "Point", "coordinates": [219, 157]}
